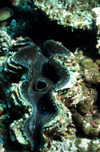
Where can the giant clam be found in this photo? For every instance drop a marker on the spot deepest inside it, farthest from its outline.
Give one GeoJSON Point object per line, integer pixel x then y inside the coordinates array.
{"type": "Point", "coordinates": [45, 75]}
{"type": "Point", "coordinates": [52, 93]}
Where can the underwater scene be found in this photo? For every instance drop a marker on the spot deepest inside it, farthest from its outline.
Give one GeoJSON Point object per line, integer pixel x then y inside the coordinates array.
{"type": "Point", "coordinates": [49, 75]}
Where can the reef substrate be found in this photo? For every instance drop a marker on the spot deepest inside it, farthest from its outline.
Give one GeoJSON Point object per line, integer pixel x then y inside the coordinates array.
{"type": "Point", "coordinates": [49, 95]}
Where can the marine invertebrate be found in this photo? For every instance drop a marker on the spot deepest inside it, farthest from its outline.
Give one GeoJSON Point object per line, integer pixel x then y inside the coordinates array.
{"type": "Point", "coordinates": [66, 93]}
{"type": "Point", "coordinates": [68, 107]}
{"type": "Point", "coordinates": [40, 83]}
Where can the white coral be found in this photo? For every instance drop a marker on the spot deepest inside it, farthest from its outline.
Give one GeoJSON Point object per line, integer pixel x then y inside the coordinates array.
{"type": "Point", "coordinates": [5, 41]}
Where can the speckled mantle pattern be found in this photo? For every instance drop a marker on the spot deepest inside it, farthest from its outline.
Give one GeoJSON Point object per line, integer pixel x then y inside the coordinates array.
{"type": "Point", "coordinates": [74, 101]}
{"type": "Point", "coordinates": [44, 76]}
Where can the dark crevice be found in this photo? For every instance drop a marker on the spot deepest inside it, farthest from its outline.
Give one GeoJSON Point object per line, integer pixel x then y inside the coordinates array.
{"type": "Point", "coordinates": [38, 26]}
{"type": "Point", "coordinates": [41, 85]}
{"type": "Point", "coordinates": [50, 72]}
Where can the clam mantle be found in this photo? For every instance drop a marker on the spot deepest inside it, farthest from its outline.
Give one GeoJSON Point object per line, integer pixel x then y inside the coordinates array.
{"type": "Point", "coordinates": [45, 75]}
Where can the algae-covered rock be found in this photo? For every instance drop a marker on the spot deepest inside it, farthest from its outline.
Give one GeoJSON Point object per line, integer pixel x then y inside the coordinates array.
{"type": "Point", "coordinates": [69, 13]}
{"type": "Point", "coordinates": [5, 13]}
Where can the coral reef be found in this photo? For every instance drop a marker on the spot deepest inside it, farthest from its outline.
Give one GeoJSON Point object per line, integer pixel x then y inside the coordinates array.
{"type": "Point", "coordinates": [38, 87]}
{"type": "Point", "coordinates": [4, 41]}
{"type": "Point", "coordinates": [72, 145]}
{"type": "Point", "coordinates": [74, 14]}
{"type": "Point", "coordinates": [80, 101]}
{"type": "Point", "coordinates": [72, 96]}
{"type": "Point", "coordinates": [97, 12]}
{"type": "Point", "coordinates": [49, 85]}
